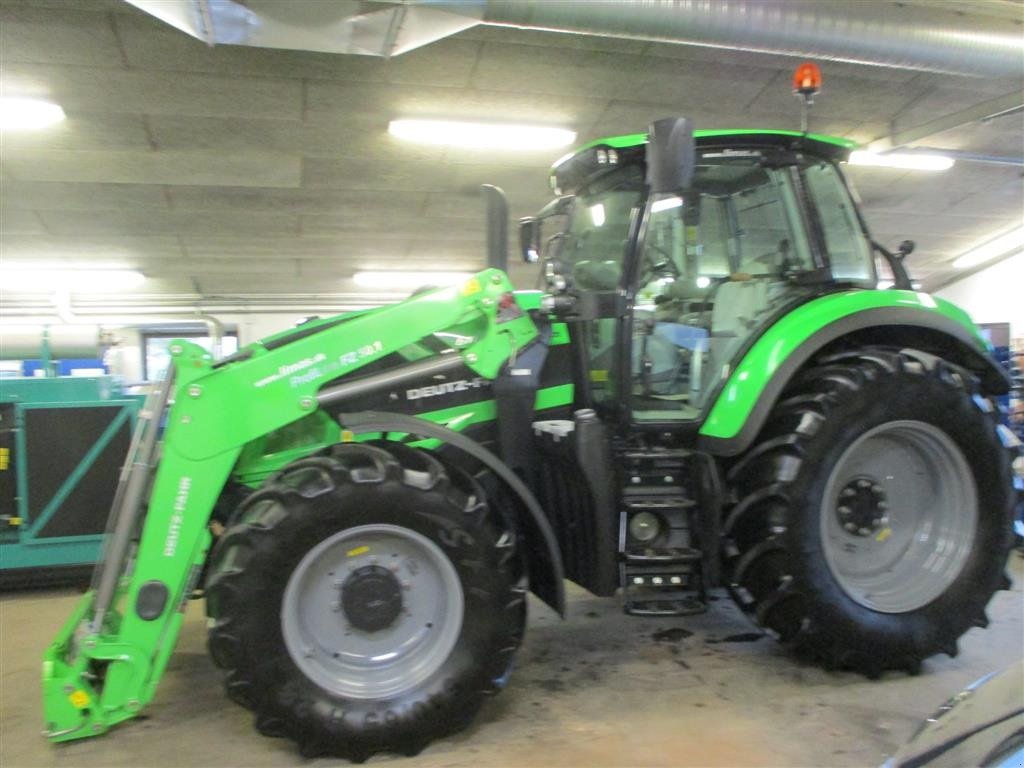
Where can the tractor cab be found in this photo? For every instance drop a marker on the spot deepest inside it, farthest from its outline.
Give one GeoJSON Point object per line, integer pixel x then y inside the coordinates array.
{"type": "Point", "coordinates": [670, 283]}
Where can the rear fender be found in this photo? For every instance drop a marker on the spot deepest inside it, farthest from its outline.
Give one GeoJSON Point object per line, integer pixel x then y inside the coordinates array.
{"type": "Point", "coordinates": [894, 318]}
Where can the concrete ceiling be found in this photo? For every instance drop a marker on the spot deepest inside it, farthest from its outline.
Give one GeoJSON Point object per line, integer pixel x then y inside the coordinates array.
{"type": "Point", "coordinates": [234, 174]}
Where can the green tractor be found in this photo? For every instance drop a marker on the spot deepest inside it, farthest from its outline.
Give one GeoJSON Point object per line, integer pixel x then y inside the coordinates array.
{"type": "Point", "coordinates": [709, 393]}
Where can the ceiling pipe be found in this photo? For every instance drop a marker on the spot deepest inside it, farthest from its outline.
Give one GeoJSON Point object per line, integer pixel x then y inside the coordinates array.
{"type": "Point", "coordinates": [885, 34]}
{"type": "Point", "coordinates": [972, 157]}
{"type": "Point", "coordinates": [924, 37]}
{"type": "Point", "coordinates": [67, 314]}
{"type": "Point", "coordinates": [17, 307]}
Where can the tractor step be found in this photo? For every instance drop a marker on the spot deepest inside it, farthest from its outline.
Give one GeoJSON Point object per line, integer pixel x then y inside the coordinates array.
{"type": "Point", "coordinates": [669, 556]}
{"type": "Point", "coordinates": [651, 503]}
{"type": "Point", "coordinates": [685, 605]}
{"type": "Point", "coordinates": [660, 565]}
{"type": "Point", "coordinates": [660, 586]}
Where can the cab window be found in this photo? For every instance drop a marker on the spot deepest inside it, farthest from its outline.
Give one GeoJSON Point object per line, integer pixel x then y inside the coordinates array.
{"type": "Point", "coordinates": [848, 250]}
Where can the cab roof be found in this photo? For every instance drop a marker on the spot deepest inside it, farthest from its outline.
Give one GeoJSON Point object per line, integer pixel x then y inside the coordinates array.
{"type": "Point", "coordinates": [832, 147]}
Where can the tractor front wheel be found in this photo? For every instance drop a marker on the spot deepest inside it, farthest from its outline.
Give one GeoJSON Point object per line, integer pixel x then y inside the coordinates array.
{"type": "Point", "coordinates": [872, 521]}
{"type": "Point", "coordinates": [365, 601]}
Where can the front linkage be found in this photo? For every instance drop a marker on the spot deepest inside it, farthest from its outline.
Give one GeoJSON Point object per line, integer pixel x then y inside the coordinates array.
{"type": "Point", "coordinates": [107, 660]}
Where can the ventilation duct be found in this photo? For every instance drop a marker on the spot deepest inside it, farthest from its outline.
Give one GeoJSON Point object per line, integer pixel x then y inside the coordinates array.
{"type": "Point", "coordinates": [985, 41]}
{"type": "Point", "coordinates": [340, 26]}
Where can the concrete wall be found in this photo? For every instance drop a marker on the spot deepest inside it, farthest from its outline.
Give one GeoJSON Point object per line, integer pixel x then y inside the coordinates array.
{"type": "Point", "coordinates": [994, 295]}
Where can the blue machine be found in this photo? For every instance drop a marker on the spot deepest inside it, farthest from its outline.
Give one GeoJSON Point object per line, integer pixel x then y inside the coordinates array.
{"type": "Point", "coordinates": [998, 335]}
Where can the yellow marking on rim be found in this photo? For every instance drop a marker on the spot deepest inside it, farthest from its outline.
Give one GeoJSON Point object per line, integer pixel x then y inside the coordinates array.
{"type": "Point", "coordinates": [357, 551]}
{"type": "Point", "coordinates": [883, 534]}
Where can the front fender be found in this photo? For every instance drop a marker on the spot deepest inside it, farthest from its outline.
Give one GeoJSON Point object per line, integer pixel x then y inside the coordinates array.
{"type": "Point", "coordinates": [879, 317]}
{"type": "Point", "coordinates": [545, 561]}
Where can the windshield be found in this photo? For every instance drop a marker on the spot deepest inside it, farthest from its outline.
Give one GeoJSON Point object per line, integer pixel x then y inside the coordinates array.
{"type": "Point", "coordinates": [595, 243]}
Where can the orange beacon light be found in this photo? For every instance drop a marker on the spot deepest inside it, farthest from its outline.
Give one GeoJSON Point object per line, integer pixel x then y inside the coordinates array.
{"type": "Point", "coordinates": [806, 84]}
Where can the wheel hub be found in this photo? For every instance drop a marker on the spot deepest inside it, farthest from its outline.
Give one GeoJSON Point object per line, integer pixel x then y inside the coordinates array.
{"type": "Point", "coordinates": [863, 508]}
{"type": "Point", "coordinates": [396, 593]}
{"type": "Point", "coordinates": [371, 598]}
{"type": "Point", "coordinates": [925, 540]}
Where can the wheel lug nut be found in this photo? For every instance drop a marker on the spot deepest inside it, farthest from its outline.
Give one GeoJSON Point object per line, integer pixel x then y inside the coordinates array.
{"type": "Point", "coordinates": [845, 511]}
{"type": "Point", "coordinates": [877, 489]}
{"type": "Point", "coordinates": [406, 585]}
{"type": "Point", "coordinates": [850, 527]}
{"type": "Point", "coordinates": [848, 493]}
{"type": "Point", "coordinates": [883, 521]}
{"type": "Point", "coordinates": [883, 506]}
{"type": "Point", "coordinates": [864, 531]}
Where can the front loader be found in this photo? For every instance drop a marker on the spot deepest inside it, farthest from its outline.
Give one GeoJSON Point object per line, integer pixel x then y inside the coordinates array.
{"type": "Point", "coordinates": [710, 392]}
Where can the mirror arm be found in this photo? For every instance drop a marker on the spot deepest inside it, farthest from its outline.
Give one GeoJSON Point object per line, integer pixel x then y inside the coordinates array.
{"type": "Point", "coordinates": [900, 278]}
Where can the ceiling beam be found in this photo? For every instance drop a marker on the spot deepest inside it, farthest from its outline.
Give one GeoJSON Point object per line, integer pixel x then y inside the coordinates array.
{"type": "Point", "coordinates": [991, 108]}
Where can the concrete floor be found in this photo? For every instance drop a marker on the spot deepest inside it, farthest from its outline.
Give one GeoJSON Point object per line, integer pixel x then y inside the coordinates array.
{"type": "Point", "coordinates": [600, 689]}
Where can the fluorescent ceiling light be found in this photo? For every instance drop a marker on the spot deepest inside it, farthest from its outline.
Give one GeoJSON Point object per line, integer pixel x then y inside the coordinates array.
{"type": "Point", "coordinates": [667, 204]}
{"type": "Point", "coordinates": [1003, 245]}
{"type": "Point", "coordinates": [884, 285]}
{"type": "Point", "coordinates": [597, 215]}
{"type": "Point", "coordinates": [407, 280]}
{"type": "Point", "coordinates": [908, 161]}
{"type": "Point", "coordinates": [703, 281]}
{"type": "Point", "coordinates": [28, 114]}
{"type": "Point", "coordinates": [481, 135]}
{"type": "Point", "coordinates": [26, 280]}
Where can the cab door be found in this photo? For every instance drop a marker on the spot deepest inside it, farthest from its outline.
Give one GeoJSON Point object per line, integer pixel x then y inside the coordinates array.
{"type": "Point", "coordinates": [714, 267]}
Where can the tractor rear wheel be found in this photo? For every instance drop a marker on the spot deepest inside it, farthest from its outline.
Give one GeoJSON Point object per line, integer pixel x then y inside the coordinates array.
{"type": "Point", "coordinates": [873, 519]}
{"type": "Point", "coordinates": [365, 600]}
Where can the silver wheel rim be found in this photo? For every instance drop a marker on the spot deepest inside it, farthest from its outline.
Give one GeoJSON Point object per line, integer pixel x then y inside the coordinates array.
{"type": "Point", "coordinates": [351, 661]}
{"type": "Point", "coordinates": [899, 516]}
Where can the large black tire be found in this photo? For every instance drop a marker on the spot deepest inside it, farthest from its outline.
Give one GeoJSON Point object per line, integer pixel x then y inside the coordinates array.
{"type": "Point", "coordinates": [773, 533]}
{"type": "Point", "coordinates": [309, 502]}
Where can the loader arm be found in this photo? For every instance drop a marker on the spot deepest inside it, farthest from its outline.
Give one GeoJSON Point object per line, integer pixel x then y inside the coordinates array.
{"type": "Point", "coordinates": [105, 664]}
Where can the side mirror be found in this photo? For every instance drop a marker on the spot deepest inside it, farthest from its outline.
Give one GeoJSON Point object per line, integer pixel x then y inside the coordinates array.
{"type": "Point", "coordinates": [906, 248]}
{"type": "Point", "coordinates": [529, 239]}
{"type": "Point", "coordinates": [671, 155]}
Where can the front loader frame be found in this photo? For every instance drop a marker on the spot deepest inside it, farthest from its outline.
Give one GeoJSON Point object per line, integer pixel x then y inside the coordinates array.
{"type": "Point", "coordinates": [106, 662]}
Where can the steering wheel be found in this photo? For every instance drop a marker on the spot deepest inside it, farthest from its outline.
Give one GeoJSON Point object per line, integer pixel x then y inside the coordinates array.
{"type": "Point", "coordinates": [666, 266]}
